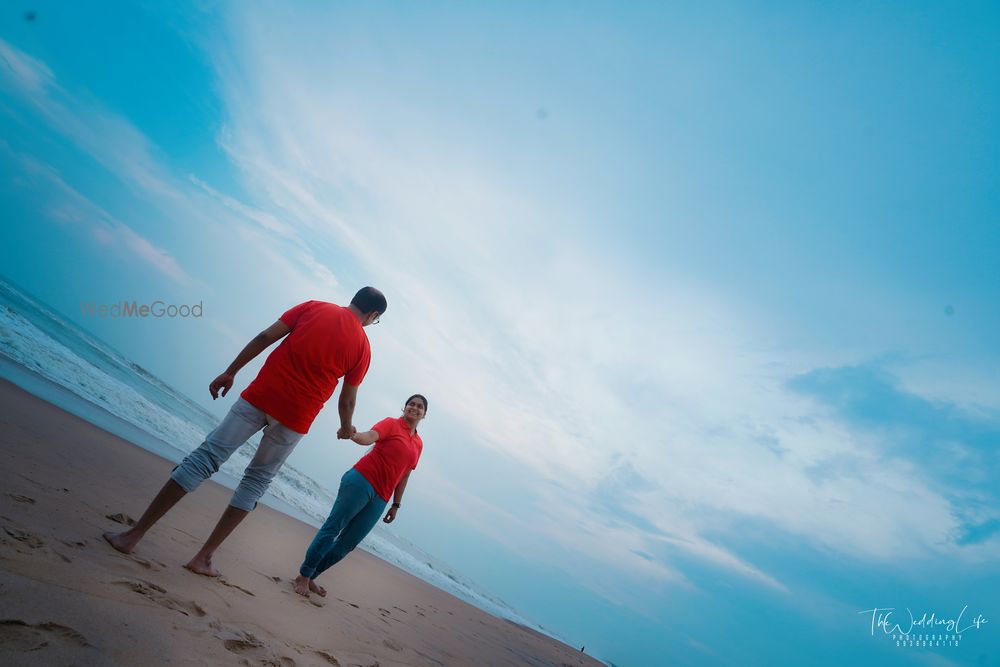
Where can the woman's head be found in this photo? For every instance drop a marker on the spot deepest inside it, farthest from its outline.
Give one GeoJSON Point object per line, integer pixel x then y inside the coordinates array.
{"type": "Point", "coordinates": [415, 407]}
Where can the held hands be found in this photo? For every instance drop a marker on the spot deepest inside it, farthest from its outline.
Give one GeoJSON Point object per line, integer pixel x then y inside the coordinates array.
{"type": "Point", "coordinates": [390, 515]}
{"type": "Point", "coordinates": [366, 438]}
{"type": "Point", "coordinates": [346, 433]}
{"type": "Point", "coordinates": [223, 382]}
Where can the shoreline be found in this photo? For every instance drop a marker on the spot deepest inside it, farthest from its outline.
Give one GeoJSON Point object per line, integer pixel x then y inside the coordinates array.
{"type": "Point", "coordinates": [68, 597]}
{"type": "Point", "coordinates": [67, 399]}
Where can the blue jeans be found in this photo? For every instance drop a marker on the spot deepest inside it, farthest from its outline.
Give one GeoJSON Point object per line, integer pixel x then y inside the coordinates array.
{"type": "Point", "coordinates": [242, 421]}
{"type": "Point", "coordinates": [355, 512]}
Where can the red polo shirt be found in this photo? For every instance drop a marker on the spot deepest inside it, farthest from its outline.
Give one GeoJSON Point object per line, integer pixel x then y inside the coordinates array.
{"type": "Point", "coordinates": [395, 452]}
{"type": "Point", "coordinates": [327, 342]}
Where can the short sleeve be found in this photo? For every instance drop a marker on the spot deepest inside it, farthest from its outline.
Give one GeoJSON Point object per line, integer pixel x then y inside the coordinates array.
{"type": "Point", "coordinates": [292, 315]}
{"type": "Point", "coordinates": [357, 374]}
{"type": "Point", "coordinates": [384, 427]}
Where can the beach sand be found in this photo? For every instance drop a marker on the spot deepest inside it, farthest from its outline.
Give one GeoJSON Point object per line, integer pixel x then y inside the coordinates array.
{"type": "Point", "coordinates": [67, 598]}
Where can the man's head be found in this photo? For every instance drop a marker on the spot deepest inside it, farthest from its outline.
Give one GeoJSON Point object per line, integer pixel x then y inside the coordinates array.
{"type": "Point", "coordinates": [370, 303]}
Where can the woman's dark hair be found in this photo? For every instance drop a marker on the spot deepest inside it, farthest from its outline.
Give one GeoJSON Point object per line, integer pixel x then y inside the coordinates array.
{"type": "Point", "coordinates": [368, 299]}
{"type": "Point", "coordinates": [421, 397]}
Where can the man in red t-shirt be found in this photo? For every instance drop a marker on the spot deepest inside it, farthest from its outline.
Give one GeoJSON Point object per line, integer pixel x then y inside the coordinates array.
{"type": "Point", "coordinates": [323, 342]}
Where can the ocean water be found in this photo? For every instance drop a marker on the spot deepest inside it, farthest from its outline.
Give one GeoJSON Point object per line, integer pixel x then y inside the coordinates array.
{"type": "Point", "coordinates": [52, 358]}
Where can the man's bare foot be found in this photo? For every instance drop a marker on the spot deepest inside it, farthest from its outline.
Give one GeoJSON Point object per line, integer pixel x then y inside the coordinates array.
{"type": "Point", "coordinates": [202, 565]}
{"type": "Point", "coordinates": [302, 586]}
{"type": "Point", "coordinates": [124, 541]}
{"type": "Point", "coordinates": [317, 589]}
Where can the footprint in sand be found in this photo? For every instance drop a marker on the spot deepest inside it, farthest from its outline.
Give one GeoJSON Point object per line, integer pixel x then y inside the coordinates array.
{"type": "Point", "coordinates": [148, 565]}
{"type": "Point", "coordinates": [350, 603]}
{"type": "Point", "coordinates": [20, 637]}
{"type": "Point", "coordinates": [22, 499]}
{"type": "Point", "coordinates": [27, 543]}
{"type": "Point", "coordinates": [239, 588]}
{"type": "Point", "coordinates": [388, 643]}
{"type": "Point", "coordinates": [142, 561]}
{"type": "Point", "coordinates": [249, 647]}
{"type": "Point", "coordinates": [160, 596]}
{"type": "Point", "coordinates": [268, 576]}
{"type": "Point", "coordinates": [24, 537]}
{"type": "Point", "coordinates": [139, 560]}
{"type": "Point", "coordinates": [356, 660]}
{"type": "Point", "coordinates": [123, 519]}
{"type": "Point", "coordinates": [329, 658]}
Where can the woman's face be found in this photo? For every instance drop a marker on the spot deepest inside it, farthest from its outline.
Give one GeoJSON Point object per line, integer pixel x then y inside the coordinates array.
{"type": "Point", "coordinates": [414, 409]}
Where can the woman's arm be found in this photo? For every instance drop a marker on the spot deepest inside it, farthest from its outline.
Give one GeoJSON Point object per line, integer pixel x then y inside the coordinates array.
{"type": "Point", "coordinates": [397, 498]}
{"type": "Point", "coordinates": [366, 438]}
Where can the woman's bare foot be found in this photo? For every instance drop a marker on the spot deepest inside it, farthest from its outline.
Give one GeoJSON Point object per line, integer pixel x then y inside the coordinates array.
{"type": "Point", "coordinates": [202, 565]}
{"type": "Point", "coordinates": [317, 589]}
{"type": "Point", "coordinates": [124, 541]}
{"type": "Point", "coordinates": [302, 585]}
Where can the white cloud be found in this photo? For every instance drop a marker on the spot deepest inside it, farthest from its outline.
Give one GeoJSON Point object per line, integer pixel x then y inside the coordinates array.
{"type": "Point", "coordinates": [73, 207]}
{"type": "Point", "coordinates": [22, 71]}
{"type": "Point", "coordinates": [266, 220]}
{"type": "Point", "coordinates": [107, 137]}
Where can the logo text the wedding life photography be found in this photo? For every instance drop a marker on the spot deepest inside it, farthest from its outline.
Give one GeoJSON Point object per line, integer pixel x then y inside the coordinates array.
{"type": "Point", "coordinates": [927, 630]}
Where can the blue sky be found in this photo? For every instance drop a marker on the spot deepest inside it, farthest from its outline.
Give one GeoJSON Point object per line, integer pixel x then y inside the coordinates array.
{"type": "Point", "coordinates": [704, 298]}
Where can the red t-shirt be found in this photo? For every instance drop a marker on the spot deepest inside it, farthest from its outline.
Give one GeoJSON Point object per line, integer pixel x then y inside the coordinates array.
{"type": "Point", "coordinates": [327, 342]}
{"type": "Point", "coordinates": [395, 452]}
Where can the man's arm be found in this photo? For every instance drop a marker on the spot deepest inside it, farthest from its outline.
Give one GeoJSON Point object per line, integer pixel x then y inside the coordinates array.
{"type": "Point", "coordinates": [348, 397]}
{"type": "Point", "coordinates": [260, 342]}
{"type": "Point", "coordinates": [397, 498]}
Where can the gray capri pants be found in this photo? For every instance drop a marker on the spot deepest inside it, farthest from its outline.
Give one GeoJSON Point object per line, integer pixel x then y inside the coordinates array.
{"type": "Point", "coordinates": [232, 433]}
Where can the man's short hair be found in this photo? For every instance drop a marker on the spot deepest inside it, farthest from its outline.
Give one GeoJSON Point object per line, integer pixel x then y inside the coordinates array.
{"type": "Point", "coordinates": [368, 299]}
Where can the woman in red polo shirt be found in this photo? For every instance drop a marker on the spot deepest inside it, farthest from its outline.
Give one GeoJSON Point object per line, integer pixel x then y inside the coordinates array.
{"type": "Point", "coordinates": [365, 490]}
